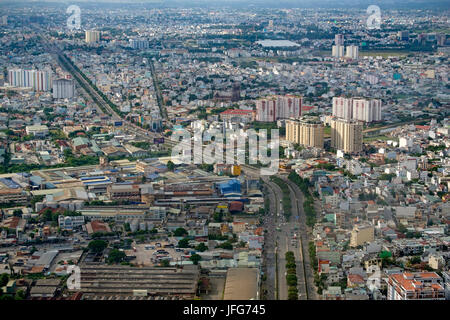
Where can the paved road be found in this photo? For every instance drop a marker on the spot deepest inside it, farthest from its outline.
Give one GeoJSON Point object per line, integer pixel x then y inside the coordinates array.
{"type": "Point", "coordinates": [269, 265]}
{"type": "Point", "coordinates": [278, 238]}
{"type": "Point", "coordinates": [302, 252]}
{"type": "Point", "coordinates": [294, 240]}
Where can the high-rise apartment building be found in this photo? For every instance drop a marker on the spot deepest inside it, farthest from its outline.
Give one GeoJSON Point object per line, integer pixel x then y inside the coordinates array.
{"type": "Point", "coordinates": [36, 79]}
{"type": "Point", "coordinates": [278, 107]}
{"type": "Point", "coordinates": [367, 110]}
{"type": "Point", "coordinates": [92, 36]}
{"type": "Point", "coordinates": [339, 39]}
{"type": "Point", "coordinates": [63, 89]}
{"type": "Point", "coordinates": [337, 51]}
{"type": "Point", "coordinates": [346, 135]}
{"type": "Point", "coordinates": [343, 108]}
{"type": "Point", "coordinates": [308, 131]}
{"type": "Point", "coordinates": [352, 52]}
{"type": "Point", "coordinates": [415, 286]}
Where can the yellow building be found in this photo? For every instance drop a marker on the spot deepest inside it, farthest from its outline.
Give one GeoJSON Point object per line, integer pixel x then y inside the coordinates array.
{"type": "Point", "coordinates": [346, 135]}
{"type": "Point", "coordinates": [361, 235]}
{"type": "Point", "coordinates": [92, 36]}
{"type": "Point", "coordinates": [308, 131]}
{"type": "Point", "coordinates": [236, 170]}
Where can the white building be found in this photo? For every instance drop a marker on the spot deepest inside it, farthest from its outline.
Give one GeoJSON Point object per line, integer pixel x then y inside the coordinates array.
{"type": "Point", "coordinates": [37, 130]}
{"type": "Point", "coordinates": [405, 142]}
{"type": "Point", "coordinates": [337, 51]}
{"type": "Point", "coordinates": [367, 110]}
{"type": "Point", "coordinates": [70, 222]}
{"type": "Point", "coordinates": [139, 44]}
{"type": "Point", "coordinates": [92, 36]}
{"type": "Point", "coordinates": [343, 108]}
{"type": "Point", "coordinates": [352, 52]}
{"type": "Point", "coordinates": [63, 89]}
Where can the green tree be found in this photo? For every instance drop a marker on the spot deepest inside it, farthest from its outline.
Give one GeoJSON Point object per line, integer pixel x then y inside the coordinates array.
{"type": "Point", "coordinates": [170, 166]}
{"type": "Point", "coordinates": [97, 246]}
{"type": "Point", "coordinates": [17, 213]}
{"type": "Point", "coordinates": [20, 295]}
{"type": "Point", "coordinates": [218, 216]}
{"type": "Point", "coordinates": [227, 245]}
{"type": "Point", "coordinates": [195, 258]}
{"type": "Point", "coordinates": [180, 232]}
{"type": "Point", "coordinates": [4, 278]}
{"type": "Point", "coordinates": [183, 243]}
{"type": "Point", "coordinates": [165, 263]}
{"type": "Point", "coordinates": [291, 279]}
{"type": "Point", "coordinates": [116, 256]}
{"type": "Point", "coordinates": [201, 247]}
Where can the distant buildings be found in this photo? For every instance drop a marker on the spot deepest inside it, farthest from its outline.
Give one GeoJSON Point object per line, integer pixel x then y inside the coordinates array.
{"type": "Point", "coordinates": [415, 286]}
{"type": "Point", "coordinates": [92, 36]}
{"type": "Point", "coordinates": [367, 110]}
{"type": "Point", "coordinates": [337, 51]}
{"type": "Point", "coordinates": [139, 44]}
{"type": "Point", "coordinates": [63, 89]}
{"type": "Point", "coordinates": [403, 35]}
{"type": "Point", "coordinates": [36, 79]}
{"type": "Point", "coordinates": [339, 39]}
{"type": "Point", "coordinates": [338, 48]}
{"type": "Point", "coordinates": [278, 107]}
{"type": "Point", "coordinates": [352, 52]}
{"type": "Point", "coordinates": [308, 131]}
{"type": "Point", "coordinates": [346, 135]}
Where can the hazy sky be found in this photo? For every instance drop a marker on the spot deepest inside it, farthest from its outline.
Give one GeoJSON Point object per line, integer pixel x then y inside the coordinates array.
{"type": "Point", "coordinates": [415, 4]}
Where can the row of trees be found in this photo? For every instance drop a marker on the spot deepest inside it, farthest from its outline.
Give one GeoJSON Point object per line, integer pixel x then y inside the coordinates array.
{"type": "Point", "coordinates": [308, 203]}
{"type": "Point", "coordinates": [286, 201]}
{"type": "Point", "coordinates": [291, 277]}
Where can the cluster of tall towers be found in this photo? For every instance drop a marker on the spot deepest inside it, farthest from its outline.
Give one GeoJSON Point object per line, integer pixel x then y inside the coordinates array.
{"type": "Point", "coordinates": [337, 50]}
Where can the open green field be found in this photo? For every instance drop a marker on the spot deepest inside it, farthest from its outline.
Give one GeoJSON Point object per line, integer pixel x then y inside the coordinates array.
{"type": "Point", "coordinates": [382, 53]}
{"type": "Point", "coordinates": [381, 137]}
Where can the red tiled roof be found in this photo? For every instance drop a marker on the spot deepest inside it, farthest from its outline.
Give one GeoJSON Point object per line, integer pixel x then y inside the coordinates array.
{"type": "Point", "coordinates": [355, 278]}
{"type": "Point", "coordinates": [237, 112]}
{"type": "Point", "coordinates": [236, 206]}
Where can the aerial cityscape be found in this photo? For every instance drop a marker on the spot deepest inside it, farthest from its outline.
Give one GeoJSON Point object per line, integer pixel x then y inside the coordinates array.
{"type": "Point", "coordinates": [221, 150]}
